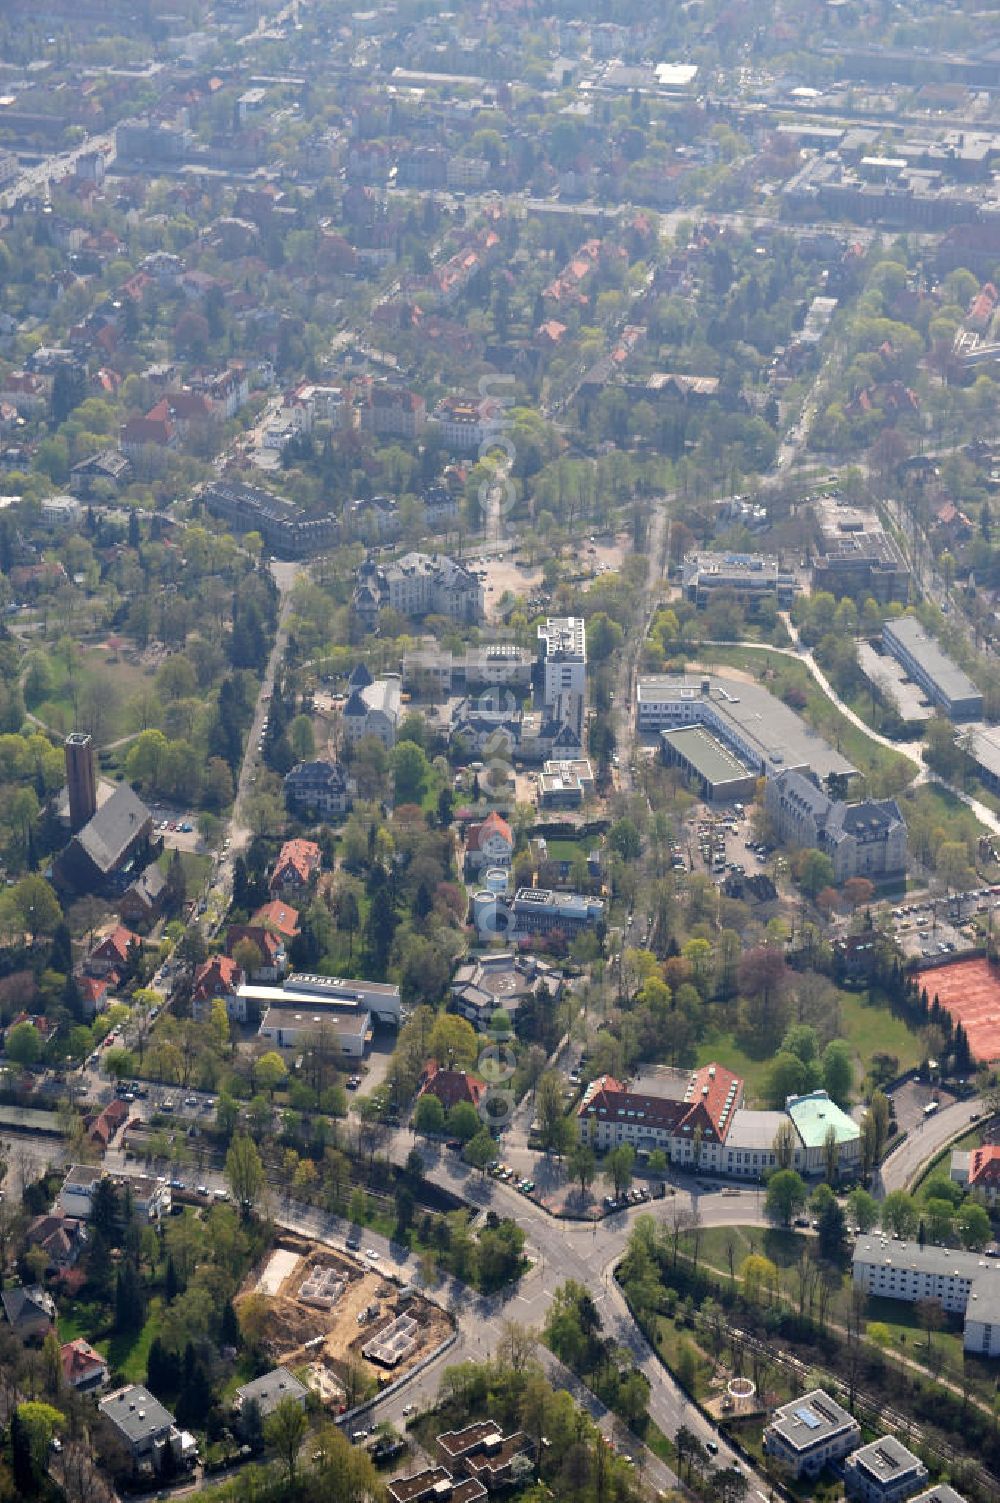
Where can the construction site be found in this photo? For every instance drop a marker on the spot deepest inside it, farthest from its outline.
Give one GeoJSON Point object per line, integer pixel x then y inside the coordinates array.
{"type": "Point", "coordinates": [325, 1316]}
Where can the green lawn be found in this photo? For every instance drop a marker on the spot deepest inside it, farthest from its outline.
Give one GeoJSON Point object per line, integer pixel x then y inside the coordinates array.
{"type": "Point", "coordinates": [908, 1339]}
{"type": "Point", "coordinates": [783, 1246]}
{"type": "Point", "coordinates": [126, 1353]}
{"type": "Point", "coordinates": [196, 868]}
{"type": "Point", "coordinates": [867, 1026]}
{"type": "Point", "coordinates": [870, 1028]}
{"type": "Point", "coordinates": [129, 1354]}
{"type": "Point", "coordinates": [71, 1325]}
{"type": "Point", "coordinates": [931, 800]}
{"type": "Point", "coordinates": [58, 709]}
{"type": "Point", "coordinates": [567, 850]}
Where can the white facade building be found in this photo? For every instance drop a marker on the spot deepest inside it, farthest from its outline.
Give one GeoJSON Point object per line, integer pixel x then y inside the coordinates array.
{"type": "Point", "coordinates": [808, 1433]}
{"type": "Point", "coordinates": [562, 654]}
{"type": "Point", "coordinates": [961, 1282]}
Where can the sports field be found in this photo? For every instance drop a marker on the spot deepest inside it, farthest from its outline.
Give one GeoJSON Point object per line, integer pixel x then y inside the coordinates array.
{"type": "Point", "coordinates": [970, 990]}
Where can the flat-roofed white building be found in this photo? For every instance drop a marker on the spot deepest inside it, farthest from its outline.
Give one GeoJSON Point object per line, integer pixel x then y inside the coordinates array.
{"type": "Point", "coordinates": [762, 731]}
{"type": "Point", "coordinates": [808, 1433]}
{"type": "Point", "coordinates": [963, 1283]}
{"type": "Point", "coordinates": [885, 1471]}
{"type": "Point", "coordinates": [562, 654]}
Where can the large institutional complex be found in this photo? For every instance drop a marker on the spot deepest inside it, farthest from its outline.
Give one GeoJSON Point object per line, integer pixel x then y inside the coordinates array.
{"type": "Point", "coordinates": [698, 1119]}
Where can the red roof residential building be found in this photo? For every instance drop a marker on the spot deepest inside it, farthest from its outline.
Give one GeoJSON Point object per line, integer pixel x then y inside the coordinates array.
{"type": "Point", "coordinates": [113, 952]}
{"type": "Point", "coordinates": [94, 991]}
{"type": "Point", "coordinates": [107, 1122]}
{"type": "Point", "coordinates": [154, 430]}
{"type": "Point", "coordinates": [489, 843]}
{"type": "Point", "coordinates": [451, 1086]}
{"type": "Point", "coordinates": [297, 863]}
{"type": "Point", "coordinates": [270, 947]}
{"type": "Point", "coordinates": [42, 1026]}
{"type": "Point", "coordinates": [218, 976]}
{"type": "Point", "coordinates": [551, 331]}
{"type": "Point", "coordinates": [984, 1171]}
{"type": "Point", "coordinates": [279, 916]}
{"type": "Point", "coordinates": [83, 1367]}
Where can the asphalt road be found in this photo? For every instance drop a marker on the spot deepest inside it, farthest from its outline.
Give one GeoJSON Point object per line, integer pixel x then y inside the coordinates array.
{"type": "Point", "coordinates": [902, 1166]}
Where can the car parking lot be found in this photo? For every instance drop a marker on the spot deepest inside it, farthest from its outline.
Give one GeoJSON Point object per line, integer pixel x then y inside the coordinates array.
{"type": "Point", "coordinates": [935, 927]}
{"type": "Point", "coordinates": [719, 841]}
{"type": "Point", "coordinates": [177, 827]}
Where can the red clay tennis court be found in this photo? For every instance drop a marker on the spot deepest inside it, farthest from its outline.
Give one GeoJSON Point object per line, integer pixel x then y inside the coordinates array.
{"type": "Point", "coordinates": [970, 990]}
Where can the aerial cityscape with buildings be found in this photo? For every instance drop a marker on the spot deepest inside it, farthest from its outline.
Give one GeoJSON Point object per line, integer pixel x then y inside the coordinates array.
{"type": "Point", "coordinates": [499, 752]}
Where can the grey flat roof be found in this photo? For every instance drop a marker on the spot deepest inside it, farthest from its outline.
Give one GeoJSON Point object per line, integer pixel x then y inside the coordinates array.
{"type": "Point", "coordinates": [753, 1129]}
{"type": "Point", "coordinates": [985, 746]}
{"type": "Point", "coordinates": [802, 1423]}
{"type": "Point", "coordinates": [952, 1262]}
{"type": "Point", "coordinates": [735, 567]}
{"type": "Point", "coordinates": [706, 754]}
{"type": "Point", "coordinates": [136, 1412]}
{"type": "Point", "coordinates": [889, 677]}
{"type": "Point", "coordinates": [301, 1015]}
{"type": "Point", "coordinates": [951, 680]}
{"type": "Point", "coordinates": [885, 1458]}
{"type": "Point", "coordinates": [781, 736]}
{"type": "Point", "coordinates": [268, 1390]}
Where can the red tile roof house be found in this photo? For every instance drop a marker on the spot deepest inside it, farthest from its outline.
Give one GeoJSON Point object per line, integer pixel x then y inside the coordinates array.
{"type": "Point", "coordinates": [43, 1026]}
{"type": "Point", "coordinates": [450, 1086]}
{"type": "Point", "coordinates": [490, 843]}
{"type": "Point", "coordinates": [114, 953]}
{"type": "Point", "coordinates": [298, 862]}
{"type": "Point", "coordinates": [94, 992]}
{"type": "Point", "coordinates": [155, 430]}
{"type": "Point", "coordinates": [83, 1369]}
{"type": "Point", "coordinates": [270, 947]}
{"type": "Point", "coordinates": [279, 916]}
{"type": "Point", "coordinates": [218, 976]}
{"type": "Point", "coordinates": [106, 1123]}
{"type": "Point", "coordinates": [979, 1168]}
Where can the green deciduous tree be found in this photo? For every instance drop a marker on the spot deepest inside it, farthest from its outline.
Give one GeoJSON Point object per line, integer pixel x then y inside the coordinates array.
{"type": "Point", "coordinates": [838, 1072]}
{"type": "Point", "coordinates": [786, 1194]}
{"type": "Point", "coordinates": [618, 1167]}
{"type": "Point", "coordinates": [428, 1116]}
{"type": "Point", "coordinates": [900, 1215]}
{"type": "Point", "coordinates": [245, 1173]}
{"type": "Point", "coordinates": [285, 1430]}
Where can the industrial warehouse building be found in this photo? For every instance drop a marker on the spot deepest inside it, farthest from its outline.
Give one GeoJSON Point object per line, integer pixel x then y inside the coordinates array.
{"type": "Point", "coordinates": [307, 1006]}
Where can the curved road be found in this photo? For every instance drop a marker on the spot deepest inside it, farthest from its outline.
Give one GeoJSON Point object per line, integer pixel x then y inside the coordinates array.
{"type": "Point", "coordinates": [904, 1164]}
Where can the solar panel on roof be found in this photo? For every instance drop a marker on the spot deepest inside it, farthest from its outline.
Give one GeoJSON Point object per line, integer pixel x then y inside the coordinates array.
{"type": "Point", "coordinates": [808, 1418]}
